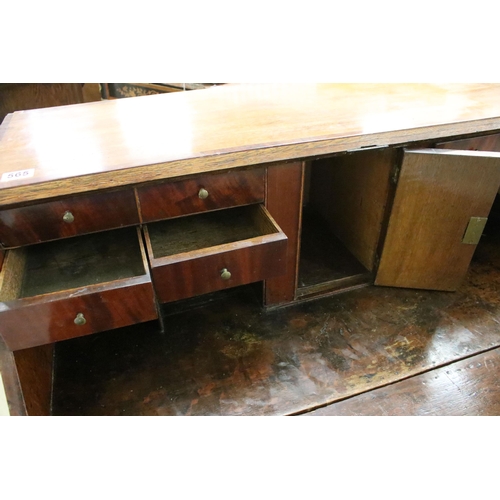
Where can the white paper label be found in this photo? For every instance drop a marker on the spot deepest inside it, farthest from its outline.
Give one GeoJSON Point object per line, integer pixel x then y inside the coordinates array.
{"type": "Point", "coordinates": [17, 175]}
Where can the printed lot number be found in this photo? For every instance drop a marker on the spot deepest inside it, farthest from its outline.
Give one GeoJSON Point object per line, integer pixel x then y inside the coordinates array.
{"type": "Point", "coordinates": [18, 174]}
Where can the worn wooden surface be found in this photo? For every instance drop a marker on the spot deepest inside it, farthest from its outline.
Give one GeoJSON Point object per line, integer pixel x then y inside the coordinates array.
{"type": "Point", "coordinates": [284, 202]}
{"type": "Point", "coordinates": [437, 193]}
{"type": "Point", "coordinates": [350, 192]}
{"type": "Point", "coordinates": [112, 143]}
{"type": "Point", "coordinates": [467, 387]}
{"type": "Point", "coordinates": [44, 221]}
{"type": "Point", "coordinates": [230, 357]}
{"type": "Point", "coordinates": [175, 199]}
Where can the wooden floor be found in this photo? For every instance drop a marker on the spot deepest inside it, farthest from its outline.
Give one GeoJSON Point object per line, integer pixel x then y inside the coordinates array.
{"type": "Point", "coordinates": [372, 351]}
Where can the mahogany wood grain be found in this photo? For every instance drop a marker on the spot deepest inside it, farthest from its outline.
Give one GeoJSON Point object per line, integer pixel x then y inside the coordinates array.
{"type": "Point", "coordinates": [50, 318]}
{"type": "Point", "coordinates": [23, 96]}
{"type": "Point", "coordinates": [468, 387]}
{"type": "Point", "coordinates": [350, 193]}
{"type": "Point", "coordinates": [11, 383]}
{"type": "Point", "coordinates": [196, 269]}
{"type": "Point", "coordinates": [44, 221]}
{"type": "Point", "coordinates": [284, 202]}
{"type": "Point", "coordinates": [437, 194]}
{"type": "Point", "coordinates": [125, 141]}
{"type": "Point", "coordinates": [35, 368]}
{"type": "Point", "coordinates": [175, 199]}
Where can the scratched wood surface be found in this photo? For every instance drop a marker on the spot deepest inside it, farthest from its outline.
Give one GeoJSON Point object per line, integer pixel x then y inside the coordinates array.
{"type": "Point", "coordinates": [467, 387]}
{"type": "Point", "coordinates": [230, 357]}
{"type": "Point", "coordinates": [103, 144]}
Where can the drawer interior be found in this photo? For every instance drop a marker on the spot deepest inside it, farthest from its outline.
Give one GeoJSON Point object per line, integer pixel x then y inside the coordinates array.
{"type": "Point", "coordinates": [196, 232]}
{"type": "Point", "coordinates": [75, 263]}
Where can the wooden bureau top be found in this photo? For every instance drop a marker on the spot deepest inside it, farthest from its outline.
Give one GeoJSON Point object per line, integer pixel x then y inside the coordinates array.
{"type": "Point", "coordinates": [85, 147]}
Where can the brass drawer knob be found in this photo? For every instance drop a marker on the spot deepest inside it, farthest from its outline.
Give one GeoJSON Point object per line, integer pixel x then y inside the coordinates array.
{"type": "Point", "coordinates": [202, 193]}
{"type": "Point", "coordinates": [80, 319]}
{"type": "Point", "coordinates": [68, 217]}
{"type": "Point", "coordinates": [225, 274]}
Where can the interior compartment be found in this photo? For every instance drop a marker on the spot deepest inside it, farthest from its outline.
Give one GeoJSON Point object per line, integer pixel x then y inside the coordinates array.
{"type": "Point", "coordinates": [206, 230]}
{"type": "Point", "coordinates": [344, 209]}
{"type": "Point", "coordinates": [82, 261]}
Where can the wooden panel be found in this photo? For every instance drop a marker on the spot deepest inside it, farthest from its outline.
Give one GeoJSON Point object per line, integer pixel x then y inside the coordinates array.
{"type": "Point", "coordinates": [174, 199]}
{"type": "Point", "coordinates": [44, 222]}
{"type": "Point", "coordinates": [350, 193]}
{"type": "Point", "coordinates": [46, 319]}
{"type": "Point", "coordinates": [468, 387]}
{"type": "Point", "coordinates": [125, 141]}
{"type": "Point", "coordinates": [11, 383]}
{"type": "Point", "coordinates": [22, 96]}
{"type": "Point", "coordinates": [483, 143]}
{"type": "Point", "coordinates": [35, 370]}
{"type": "Point", "coordinates": [437, 193]}
{"type": "Point", "coordinates": [283, 200]}
{"type": "Point", "coordinates": [193, 277]}
{"type": "Point", "coordinates": [193, 265]}
{"type": "Point", "coordinates": [2, 257]}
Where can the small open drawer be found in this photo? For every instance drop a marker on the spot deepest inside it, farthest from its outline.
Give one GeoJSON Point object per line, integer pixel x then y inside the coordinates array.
{"type": "Point", "coordinates": [212, 251]}
{"type": "Point", "coordinates": [73, 287]}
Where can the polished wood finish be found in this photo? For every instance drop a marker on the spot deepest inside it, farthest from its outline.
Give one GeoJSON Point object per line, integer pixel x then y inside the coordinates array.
{"type": "Point", "coordinates": [44, 221]}
{"type": "Point", "coordinates": [27, 378]}
{"type": "Point", "coordinates": [350, 192]}
{"type": "Point", "coordinates": [284, 203]}
{"type": "Point", "coordinates": [41, 294]}
{"type": "Point", "coordinates": [35, 370]}
{"type": "Point", "coordinates": [466, 388]}
{"type": "Point", "coordinates": [188, 255]}
{"type": "Point", "coordinates": [437, 193]}
{"type": "Point", "coordinates": [175, 199]}
{"type": "Point", "coordinates": [23, 96]}
{"type": "Point", "coordinates": [125, 141]}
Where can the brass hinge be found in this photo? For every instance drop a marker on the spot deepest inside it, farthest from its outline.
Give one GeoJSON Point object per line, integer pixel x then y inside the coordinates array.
{"type": "Point", "coordinates": [474, 230]}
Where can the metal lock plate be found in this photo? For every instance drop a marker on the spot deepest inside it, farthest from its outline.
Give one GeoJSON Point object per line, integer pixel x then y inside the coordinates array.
{"type": "Point", "coordinates": [474, 230]}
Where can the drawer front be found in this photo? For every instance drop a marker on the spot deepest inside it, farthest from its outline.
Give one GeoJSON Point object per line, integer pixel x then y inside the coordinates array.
{"type": "Point", "coordinates": [200, 194]}
{"type": "Point", "coordinates": [29, 323]}
{"type": "Point", "coordinates": [204, 274]}
{"type": "Point", "coordinates": [68, 217]}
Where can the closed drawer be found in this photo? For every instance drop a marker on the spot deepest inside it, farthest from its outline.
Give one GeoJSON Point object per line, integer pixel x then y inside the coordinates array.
{"type": "Point", "coordinates": [203, 253]}
{"type": "Point", "coordinates": [69, 288]}
{"type": "Point", "coordinates": [68, 217]}
{"type": "Point", "coordinates": [201, 193]}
